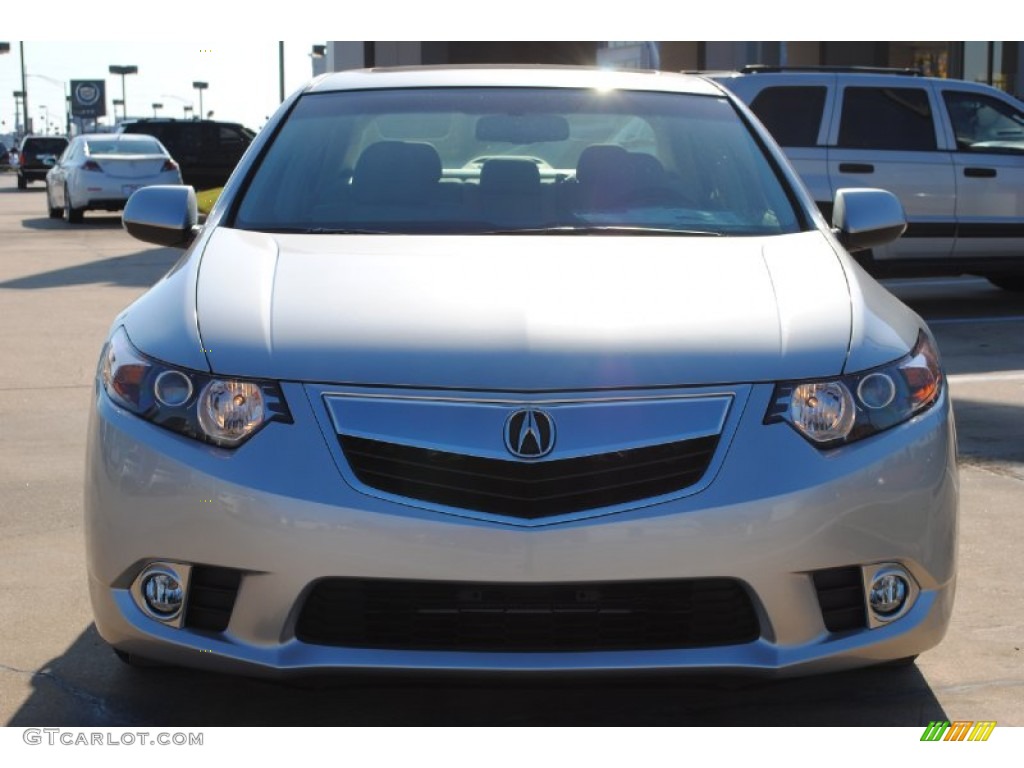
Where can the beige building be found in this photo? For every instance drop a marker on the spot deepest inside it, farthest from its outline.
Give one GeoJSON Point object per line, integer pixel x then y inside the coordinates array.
{"type": "Point", "coordinates": [997, 63]}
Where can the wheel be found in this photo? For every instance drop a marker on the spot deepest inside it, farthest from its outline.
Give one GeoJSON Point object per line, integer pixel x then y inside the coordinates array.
{"type": "Point", "coordinates": [55, 213]}
{"type": "Point", "coordinates": [22, 182]}
{"type": "Point", "coordinates": [73, 215]}
{"type": "Point", "coordinates": [1007, 282]}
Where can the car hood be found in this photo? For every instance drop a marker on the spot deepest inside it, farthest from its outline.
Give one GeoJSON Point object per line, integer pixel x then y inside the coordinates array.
{"type": "Point", "coordinates": [521, 312]}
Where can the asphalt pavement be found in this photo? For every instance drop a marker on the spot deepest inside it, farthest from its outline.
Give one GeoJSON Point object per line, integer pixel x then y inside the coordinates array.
{"type": "Point", "coordinates": [61, 286]}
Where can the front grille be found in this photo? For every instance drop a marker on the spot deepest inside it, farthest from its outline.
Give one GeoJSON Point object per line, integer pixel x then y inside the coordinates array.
{"type": "Point", "coordinates": [589, 616]}
{"type": "Point", "coordinates": [211, 597]}
{"type": "Point", "coordinates": [841, 597]}
{"type": "Point", "coordinates": [523, 489]}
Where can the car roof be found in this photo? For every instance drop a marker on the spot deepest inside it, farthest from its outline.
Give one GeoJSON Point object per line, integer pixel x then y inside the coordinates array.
{"type": "Point", "coordinates": [512, 76]}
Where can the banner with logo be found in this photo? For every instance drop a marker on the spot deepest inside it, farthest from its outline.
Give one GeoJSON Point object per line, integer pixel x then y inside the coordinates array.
{"type": "Point", "coordinates": [88, 98]}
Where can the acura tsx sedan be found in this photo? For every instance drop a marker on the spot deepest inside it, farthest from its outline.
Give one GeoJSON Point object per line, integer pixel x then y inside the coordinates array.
{"type": "Point", "coordinates": [519, 370]}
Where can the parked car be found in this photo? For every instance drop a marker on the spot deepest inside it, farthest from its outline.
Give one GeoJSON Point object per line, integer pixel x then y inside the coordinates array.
{"type": "Point", "coordinates": [36, 156]}
{"type": "Point", "coordinates": [952, 151]}
{"type": "Point", "coordinates": [207, 150]}
{"type": "Point", "coordinates": [519, 369]}
{"type": "Point", "coordinates": [100, 171]}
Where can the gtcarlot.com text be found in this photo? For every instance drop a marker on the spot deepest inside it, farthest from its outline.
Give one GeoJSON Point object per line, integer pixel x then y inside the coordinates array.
{"type": "Point", "coordinates": [74, 738]}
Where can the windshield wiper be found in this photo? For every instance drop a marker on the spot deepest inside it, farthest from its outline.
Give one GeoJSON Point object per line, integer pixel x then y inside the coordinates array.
{"type": "Point", "coordinates": [600, 229]}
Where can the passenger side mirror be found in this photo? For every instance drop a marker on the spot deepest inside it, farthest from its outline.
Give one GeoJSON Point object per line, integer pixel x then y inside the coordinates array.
{"type": "Point", "coordinates": [163, 215]}
{"type": "Point", "coordinates": [867, 218]}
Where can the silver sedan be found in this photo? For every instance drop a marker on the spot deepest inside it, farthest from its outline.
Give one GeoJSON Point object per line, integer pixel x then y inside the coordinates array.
{"type": "Point", "coordinates": [519, 370]}
{"type": "Point", "coordinates": [101, 171]}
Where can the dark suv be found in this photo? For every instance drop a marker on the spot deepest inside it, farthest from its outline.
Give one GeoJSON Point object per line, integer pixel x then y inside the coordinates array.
{"type": "Point", "coordinates": [36, 156]}
{"type": "Point", "coordinates": [206, 150]}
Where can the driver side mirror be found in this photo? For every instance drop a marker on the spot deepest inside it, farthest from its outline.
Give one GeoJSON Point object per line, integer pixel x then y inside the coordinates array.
{"type": "Point", "coordinates": [867, 218]}
{"type": "Point", "coordinates": [163, 215]}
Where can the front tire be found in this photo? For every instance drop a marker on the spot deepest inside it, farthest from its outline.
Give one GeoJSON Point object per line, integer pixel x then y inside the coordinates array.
{"type": "Point", "coordinates": [73, 215]}
{"type": "Point", "coordinates": [1013, 283]}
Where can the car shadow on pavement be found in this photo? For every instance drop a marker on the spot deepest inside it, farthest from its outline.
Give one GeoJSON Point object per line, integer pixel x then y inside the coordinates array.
{"type": "Point", "coordinates": [89, 221]}
{"type": "Point", "coordinates": [138, 270]}
{"type": "Point", "coordinates": [89, 687]}
{"type": "Point", "coordinates": [13, 190]}
{"type": "Point", "coordinates": [989, 433]}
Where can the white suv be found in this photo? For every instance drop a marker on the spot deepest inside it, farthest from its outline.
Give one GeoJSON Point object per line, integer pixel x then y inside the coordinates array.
{"type": "Point", "coordinates": [952, 151]}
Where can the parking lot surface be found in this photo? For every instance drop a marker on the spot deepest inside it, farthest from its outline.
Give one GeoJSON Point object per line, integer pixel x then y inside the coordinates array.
{"type": "Point", "coordinates": [61, 286]}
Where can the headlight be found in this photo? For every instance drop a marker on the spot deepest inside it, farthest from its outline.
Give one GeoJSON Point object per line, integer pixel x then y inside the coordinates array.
{"type": "Point", "coordinates": [226, 412]}
{"type": "Point", "coordinates": [849, 408]}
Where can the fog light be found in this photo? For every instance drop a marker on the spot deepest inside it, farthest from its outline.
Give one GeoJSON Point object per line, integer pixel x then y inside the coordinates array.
{"type": "Point", "coordinates": [888, 594]}
{"type": "Point", "coordinates": [163, 592]}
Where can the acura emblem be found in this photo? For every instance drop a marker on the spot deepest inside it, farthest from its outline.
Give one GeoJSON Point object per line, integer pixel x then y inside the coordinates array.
{"type": "Point", "coordinates": [529, 434]}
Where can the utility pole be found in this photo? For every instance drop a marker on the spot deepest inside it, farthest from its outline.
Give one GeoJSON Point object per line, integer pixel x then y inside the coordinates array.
{"type": "Point", "coordinates": [24, 91]}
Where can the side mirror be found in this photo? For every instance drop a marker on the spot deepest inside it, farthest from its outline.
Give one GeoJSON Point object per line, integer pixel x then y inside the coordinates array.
{"type": "Point", "coordinates": [867, 218]}
{"type": "Point", "coordinates": [164, 215]}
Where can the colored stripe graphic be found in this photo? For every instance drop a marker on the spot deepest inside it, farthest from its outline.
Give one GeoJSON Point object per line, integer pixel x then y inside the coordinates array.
{"type": "Point", "coordinates": [958, 730]}
{"type": "Point", "coordinates": [982, 730]}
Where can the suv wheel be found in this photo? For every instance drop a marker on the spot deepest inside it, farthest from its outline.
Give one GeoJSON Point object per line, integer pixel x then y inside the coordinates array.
{"type": "Point", "coordinates": [74, 215]}
{"type": "Point", "coordinates": [1008, 282]}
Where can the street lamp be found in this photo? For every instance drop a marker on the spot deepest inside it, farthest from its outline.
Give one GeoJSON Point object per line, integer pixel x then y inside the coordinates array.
{"type": "Point", "coordinates": [122, 70]}
{"type": "Point", "coordinates": [119, 103]}
{"type": "Point", "coordinates": [200, 86]}
{"type": "Point", "coordinates": [157, 105]}
{"type": "Point", "coordinates": [187, 109]}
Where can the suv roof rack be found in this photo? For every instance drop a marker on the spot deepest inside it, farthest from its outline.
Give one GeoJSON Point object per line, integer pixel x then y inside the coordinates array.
{"type": "Point", "coordinates": [755, 68]}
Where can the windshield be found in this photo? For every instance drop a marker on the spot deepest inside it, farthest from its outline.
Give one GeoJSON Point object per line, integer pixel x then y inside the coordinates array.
{"type": "Point", "coordinates": [124, 147]}
{"type": "Point", "coordinates": [471, 160]}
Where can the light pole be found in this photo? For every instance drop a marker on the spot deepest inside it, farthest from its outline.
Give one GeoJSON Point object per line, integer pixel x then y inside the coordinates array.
{"type": "Point", "coordinates": [119, 103]}
{"type": "Point", "coordinates": [280, 65]}
{"type": "Point", "coordinates": [187, 109]}
{"type": "Point", "coordinates": [157, 105]}
{"type": "Point", "coordinates": [24, 91]}
{"type": "Point", "coordinates": [200, 86]}
{"type": "Point", "coordinates": [122, 70]}
{"type": "Point", "coordinates": [19, 95]}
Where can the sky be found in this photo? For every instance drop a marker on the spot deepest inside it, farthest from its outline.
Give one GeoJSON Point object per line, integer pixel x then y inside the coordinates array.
{"type": "Point", "coordinates": [243, 76]}
{"type": "Point", "coordinates": [239, 57]}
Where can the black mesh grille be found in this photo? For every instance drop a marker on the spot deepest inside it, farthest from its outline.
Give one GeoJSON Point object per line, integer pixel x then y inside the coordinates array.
{"type": "Point", "coordinates": [592, 616]}
{"type": "Point", "coordinates": [528, 489]}
{"type": "Point", "coordinates": [211, 597]}
{"type": "Point", "coordinates": [841, 597]}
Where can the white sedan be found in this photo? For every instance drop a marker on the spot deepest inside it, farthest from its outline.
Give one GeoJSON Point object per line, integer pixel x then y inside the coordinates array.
{"type": "Point", "coordinates": [101, 171]}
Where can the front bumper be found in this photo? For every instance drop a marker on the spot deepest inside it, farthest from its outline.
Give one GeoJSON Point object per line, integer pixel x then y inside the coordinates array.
{"type": "Point", "coordinates": [279, 510]}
